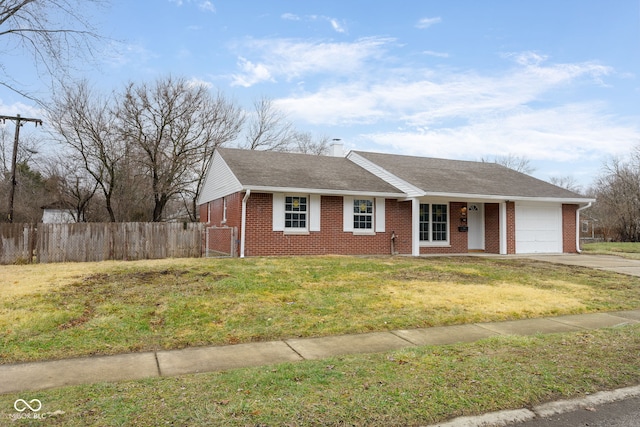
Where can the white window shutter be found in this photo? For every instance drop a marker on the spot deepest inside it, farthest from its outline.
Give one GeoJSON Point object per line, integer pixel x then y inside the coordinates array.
{"type": "Point", "coordinates": [347, 214]}
{"type": "Point", "coordinates": [278, 212]}
{"type": "Point", "coordinates": [380, 215]}
{"type": "Point", "coordinates": [314, 212]}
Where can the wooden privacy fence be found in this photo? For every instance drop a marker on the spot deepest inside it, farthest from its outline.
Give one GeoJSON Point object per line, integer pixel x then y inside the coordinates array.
{"type": "Point", "coordinates": [17, 243]}
{"type": "Point", "coordinates": [82, 242]}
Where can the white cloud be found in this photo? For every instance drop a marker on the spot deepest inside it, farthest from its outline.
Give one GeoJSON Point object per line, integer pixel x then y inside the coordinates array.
{"type": "Point", "coordinates": [427, 22]}
{"type": "Point", "coordinates": [24, 110]}
{"type": "Point", "coordinates": [196, 82]}
{"type": "Point", "coordinates": [207, 6]}
{"type": "Point", "coordinates": [339, 105]}
{"type": "Point", "coordinates": [337, 26]}
{"type": "Point", "coordinates": [204, 5]}
{"type": "Point", "coordinates": [563, 134]}
{"type": "Point", "coordinates": [288, 59]}
{"type": "Point", "coordinates": [430, 98]}
{"type": "Point", "coordinates": [251, 74]}
{"type": "Point", "coordinates": [468, 115]}
{"type": "Point", "coordinates": [290, 17]}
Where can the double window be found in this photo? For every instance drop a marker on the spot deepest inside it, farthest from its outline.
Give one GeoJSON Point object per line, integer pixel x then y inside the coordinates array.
{"type": "Point", "coordinates": [434, 223]}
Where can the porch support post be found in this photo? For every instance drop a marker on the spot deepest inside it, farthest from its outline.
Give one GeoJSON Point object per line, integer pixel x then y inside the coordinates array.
{"type": "Point", "coordinates": [503, 228]}
{"type": "Point", "coordinates": [415, 227]}
{"type": "Point", "coordinates": [243, 222]}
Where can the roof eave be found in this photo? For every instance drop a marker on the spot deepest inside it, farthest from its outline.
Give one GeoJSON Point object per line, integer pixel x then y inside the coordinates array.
{"type": "Point", "coordinates": [323, 191]}
{"type": "Point", "coordinates": [512, 198]}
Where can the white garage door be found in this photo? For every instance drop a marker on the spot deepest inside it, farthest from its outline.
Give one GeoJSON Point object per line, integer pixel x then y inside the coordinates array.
{"type": "Point", "coordinates": [538, 228]}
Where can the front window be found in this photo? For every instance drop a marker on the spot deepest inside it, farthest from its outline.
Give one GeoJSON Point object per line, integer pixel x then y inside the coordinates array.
{"type": "Point", "coordinates": [295, 212]}
{"type": "Point", "coordinates": [362, 214]}
{"type": "Point", "coordinates": [434, 222]}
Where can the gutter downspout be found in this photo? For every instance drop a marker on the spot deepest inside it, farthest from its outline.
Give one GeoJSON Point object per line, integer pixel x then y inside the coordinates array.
{"type": "Point", "coordinates": [415, 227]}
{"type": "Point", "coordinates": [588, 205]}
{"type": "Point", "coordinates": [243, 224]}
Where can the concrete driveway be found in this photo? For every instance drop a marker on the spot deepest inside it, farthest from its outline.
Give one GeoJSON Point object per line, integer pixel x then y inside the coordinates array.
{"type": "Point", "coordinates": [600, 262]}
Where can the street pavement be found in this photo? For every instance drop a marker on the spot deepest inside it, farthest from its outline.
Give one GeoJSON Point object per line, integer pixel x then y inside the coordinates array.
{"type": "Point", "coordinates": [622, 413]}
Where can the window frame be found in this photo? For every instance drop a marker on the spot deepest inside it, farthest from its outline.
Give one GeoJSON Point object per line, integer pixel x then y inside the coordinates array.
{"type": "Point", "coordinates": [290, 229]}
{"type": "Point", "coordinates": [378, 215]}
{"type": "Point", "coordinates": [430, 224]}
{"type": "Point", "coordinates": [369, 205]}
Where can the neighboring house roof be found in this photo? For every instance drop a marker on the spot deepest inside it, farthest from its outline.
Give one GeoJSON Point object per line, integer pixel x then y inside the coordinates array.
{"type": "Point", "coordinates": [448, 177]}
{"type": "Point", "coordinates": [273, 171]}
{"type": "Point", "coordinates": [384, 175]}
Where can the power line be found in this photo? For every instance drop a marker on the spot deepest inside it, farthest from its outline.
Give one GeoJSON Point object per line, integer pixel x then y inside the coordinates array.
{"type": "Point", "coordinates": [18, 121]}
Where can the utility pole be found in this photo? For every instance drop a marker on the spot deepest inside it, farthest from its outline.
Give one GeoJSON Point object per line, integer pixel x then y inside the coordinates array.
{"type": "Point", "coordinates": [14, 158]}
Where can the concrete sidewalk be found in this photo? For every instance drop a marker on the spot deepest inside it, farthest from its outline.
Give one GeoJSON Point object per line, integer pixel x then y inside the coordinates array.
{"type": "Point", "coordinates": [86, 370]}
{"type": "Point", "coordinates": [612, 263]}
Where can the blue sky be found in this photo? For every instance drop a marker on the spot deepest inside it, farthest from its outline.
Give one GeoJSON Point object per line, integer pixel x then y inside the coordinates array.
{"type": "Point", "coordinates": [553, 81]}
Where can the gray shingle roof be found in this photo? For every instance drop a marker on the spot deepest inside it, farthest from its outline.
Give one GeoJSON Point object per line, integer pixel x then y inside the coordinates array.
{"type": "Point", "coordinates": [464, 177]}
{"type": "Point", "coordinates": [291, 170]}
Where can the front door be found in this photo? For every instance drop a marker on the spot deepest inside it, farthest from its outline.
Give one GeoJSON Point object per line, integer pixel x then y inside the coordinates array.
{"type": "Point", "coordinates": [475, 221]}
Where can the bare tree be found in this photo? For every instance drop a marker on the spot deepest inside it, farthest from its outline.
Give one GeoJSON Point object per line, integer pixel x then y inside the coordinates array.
{"type": "Point", "coordinates": [75, 187]}
{"type": "Point", "coordinates": [84, 121]}
{"type": "Point", "coordinates": [52, 32]}
{"type": "Point", "coordinates": [617, 193]}
{"type": "Point", "coordinates": [29, 189]}
{"type": "Point", "coordinates": [269, 128]}
{"type": "Point", "coordinates": [568, 182]}
{"type": "Point", "coordinates": [174, 124]}
{"type": "Point", "coordinates": [304, 142]}
{"type": "Point", "coordinates": [512, 161]}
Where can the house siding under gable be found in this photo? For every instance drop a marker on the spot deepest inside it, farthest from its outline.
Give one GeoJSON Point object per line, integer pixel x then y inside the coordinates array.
{"type": "Point", "coordinates": [219, 182]}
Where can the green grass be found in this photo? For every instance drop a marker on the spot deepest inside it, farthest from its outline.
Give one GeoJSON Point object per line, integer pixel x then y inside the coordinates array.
{"type": "Point", "coordinates": [624, 249]}
{"type": "Point", "coordinates": [411, 387]}
{"type": "Point", "coordinates": [108, 308]}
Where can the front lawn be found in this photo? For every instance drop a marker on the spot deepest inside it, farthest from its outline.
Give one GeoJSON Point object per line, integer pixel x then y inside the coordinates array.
{"type": "Point", "coordinates": [623, 249]}
{"type": "Point", "coordinates": [52, 311]}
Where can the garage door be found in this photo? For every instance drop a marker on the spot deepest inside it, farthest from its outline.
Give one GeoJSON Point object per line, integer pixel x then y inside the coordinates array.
{"type": "Point", "coordinates": [538, 228]}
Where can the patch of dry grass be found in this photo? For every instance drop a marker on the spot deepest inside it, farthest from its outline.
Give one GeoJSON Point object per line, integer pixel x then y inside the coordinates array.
{"type": "Point", "coordinates": [20, 280]}
{"type": "Point", "coordinates": [502, 300]}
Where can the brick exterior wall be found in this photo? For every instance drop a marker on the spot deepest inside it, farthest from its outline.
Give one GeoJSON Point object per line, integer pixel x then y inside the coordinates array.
{"type": "Point", "coordinates": [261, 240]}
{"type": "Point", "coordinates": [569, 228]}
{"type": "Point", "coordinates": [492, 228]}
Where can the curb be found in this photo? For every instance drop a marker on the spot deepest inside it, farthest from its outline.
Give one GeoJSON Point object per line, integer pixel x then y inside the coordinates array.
{"type": "Point", "coordinates": [504, 418]}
